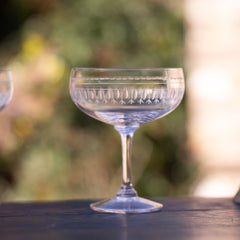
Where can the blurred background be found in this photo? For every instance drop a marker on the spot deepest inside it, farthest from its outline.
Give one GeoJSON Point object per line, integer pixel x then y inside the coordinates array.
{"type": "Point", "coordinates": [51, 150]}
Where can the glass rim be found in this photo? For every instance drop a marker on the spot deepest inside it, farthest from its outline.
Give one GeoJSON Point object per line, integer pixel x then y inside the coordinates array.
{"type": "Point", "coordinates": [5, 70]}
{"type": "Point", "coordinates": [124, 69]}
{"type": "Point", "coordinates": [142, 74]}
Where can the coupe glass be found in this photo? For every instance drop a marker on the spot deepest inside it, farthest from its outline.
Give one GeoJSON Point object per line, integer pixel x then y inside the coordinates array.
{"type": "Point", "coordinates": [126, 98]}
{"type": "Point", "coordinates": [6, 88]}
{"type": "Point", "coordinates": [236, 198]}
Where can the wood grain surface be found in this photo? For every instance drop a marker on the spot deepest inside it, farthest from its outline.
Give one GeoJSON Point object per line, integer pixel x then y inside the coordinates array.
{"type": "Point", "coordinates": [181, 218]}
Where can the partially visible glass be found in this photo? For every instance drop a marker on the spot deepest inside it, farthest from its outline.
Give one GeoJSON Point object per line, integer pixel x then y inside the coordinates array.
{"type": "Point", "coordinates": [236, 198]}
{"type": "Point", "coordinates": [6, 88]}
{"type": "Point", "coordinates": [126, 98]}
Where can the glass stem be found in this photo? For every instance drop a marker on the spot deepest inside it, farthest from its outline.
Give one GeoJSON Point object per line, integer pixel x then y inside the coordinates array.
{"type": "Point", "coordinates": [126, 189]}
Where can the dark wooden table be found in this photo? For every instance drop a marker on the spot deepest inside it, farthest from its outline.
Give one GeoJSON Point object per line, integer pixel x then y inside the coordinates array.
{"type": "Point", "coordinates": [181, 218]}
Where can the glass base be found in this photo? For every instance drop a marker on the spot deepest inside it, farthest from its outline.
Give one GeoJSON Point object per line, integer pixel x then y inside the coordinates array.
{"type": "Point", "coordinates": [237, 197]}
{"type": "Point", "coordinates": [125, 205]}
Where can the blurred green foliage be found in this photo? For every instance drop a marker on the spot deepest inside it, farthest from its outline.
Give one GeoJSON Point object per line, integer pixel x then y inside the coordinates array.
{"type": "Point", "coordinates": [51, 150]}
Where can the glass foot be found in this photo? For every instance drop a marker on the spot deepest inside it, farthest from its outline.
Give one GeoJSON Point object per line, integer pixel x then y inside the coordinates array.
{"type": "Point", "coordinates": [125, 205]}
{"type": "Point", "coordinates": [237, 197]}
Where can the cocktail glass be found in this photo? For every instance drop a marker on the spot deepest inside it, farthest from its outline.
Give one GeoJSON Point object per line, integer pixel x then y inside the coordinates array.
{"type": "Point", "coordinates": [126, 98]}
{"type": "Point", "coordinates": [6, 88]}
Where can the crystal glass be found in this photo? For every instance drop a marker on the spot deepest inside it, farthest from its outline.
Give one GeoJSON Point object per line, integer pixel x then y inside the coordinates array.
{"type": "Point", "coordinates": [6, 88]}
{"type": "Point", "coordinates": [126, 98]}
{"type": "Point", "coordinates": [236, 198]}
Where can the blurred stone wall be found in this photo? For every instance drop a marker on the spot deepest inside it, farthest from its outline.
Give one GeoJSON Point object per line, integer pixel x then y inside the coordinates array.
{"type": "Point", "coordinates": [213, 85]}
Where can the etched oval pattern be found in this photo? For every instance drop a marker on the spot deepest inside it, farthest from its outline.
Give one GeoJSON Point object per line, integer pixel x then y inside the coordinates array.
{"type": "Point", "coordinates": [5, 93]}
{"type": "Point", "coordinates": [126, 96]}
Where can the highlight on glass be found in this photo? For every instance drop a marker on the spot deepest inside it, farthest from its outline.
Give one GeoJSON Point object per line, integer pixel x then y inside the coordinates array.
{"type": "Point", "coordinates": [126, 98]}
{"type": "Point", "coordinates": [6, 88]}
